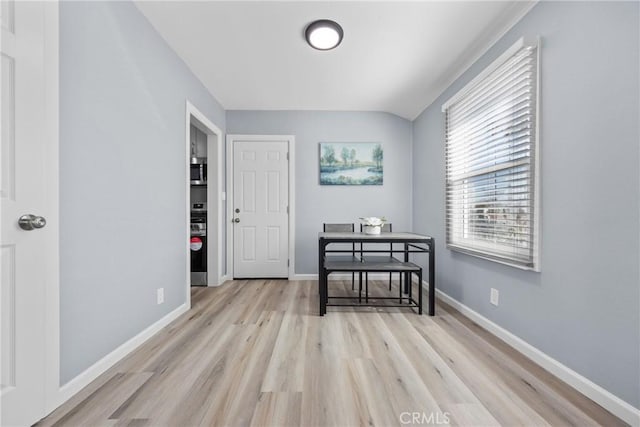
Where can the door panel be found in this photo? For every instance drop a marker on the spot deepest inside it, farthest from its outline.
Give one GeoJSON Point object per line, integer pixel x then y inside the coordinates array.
{"type": "Point", "coordinates": [273, 244]}
{"type": "Point", "coordinates": [273, 192]}
{"type": "Point", "coordinates": [248, 194]}
{"type": "Point", "coordinates": [248, 243]}
{"type": "Point", "coordinates": [23, 190]}
{"type": "Point", "coordinates": [8, 128]}
{"type": "Point", "coordinates": [7, 15]}
{"type": "Point", "coordinates": [8, 307]}
{"type": "Point", "coordinates": [260, 197]}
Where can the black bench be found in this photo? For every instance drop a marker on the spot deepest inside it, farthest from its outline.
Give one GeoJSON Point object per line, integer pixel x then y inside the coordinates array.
{"type": "Point", "coordinates": [364, 266]}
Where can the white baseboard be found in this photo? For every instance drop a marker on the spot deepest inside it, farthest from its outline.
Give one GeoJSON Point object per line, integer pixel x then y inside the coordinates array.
{"type": "Point", "coordinates": [94, 371]}
{"type": "Point", "coordinates": [221, 281]}
{"type": "Point", "coordinates": [593, 391]}
{"type": "Point", "coordinates": [304, 277]}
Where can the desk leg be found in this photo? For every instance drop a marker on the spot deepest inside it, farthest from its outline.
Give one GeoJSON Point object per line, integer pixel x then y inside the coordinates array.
{"type": "Point", "coordinates": [432, 278]}
{"type": "Point", "coordinates": [407, 276]}
{"type": "Point", "coordinates": [321, 278]}
{"type": "Point", "coordinates": [366, 287]}
{"type": "Point", "coordinates": [420, 291]}
{"type": "Point", "coordinates": [325, 288]}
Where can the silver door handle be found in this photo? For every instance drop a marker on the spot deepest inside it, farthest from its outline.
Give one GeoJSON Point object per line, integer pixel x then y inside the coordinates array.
{"type": "Point", "coordinates": [236, 220]}
{"type": "Point", "coordinates": [31, 222]}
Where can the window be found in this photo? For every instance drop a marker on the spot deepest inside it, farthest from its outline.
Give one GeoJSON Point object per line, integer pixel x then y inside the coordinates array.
{"type": "Point", "coordinates": [491, 162]}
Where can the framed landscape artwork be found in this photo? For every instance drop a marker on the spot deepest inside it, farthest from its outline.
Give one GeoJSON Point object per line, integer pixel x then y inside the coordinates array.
{"type": "Point", "coordinates": [351, 163]}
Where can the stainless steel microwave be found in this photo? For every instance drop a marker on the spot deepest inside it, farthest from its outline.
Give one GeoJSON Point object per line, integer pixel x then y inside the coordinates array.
{"type": "Point", "coordinates": [198, 171]}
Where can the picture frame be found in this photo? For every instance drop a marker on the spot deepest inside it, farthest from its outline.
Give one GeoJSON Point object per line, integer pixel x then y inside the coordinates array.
{"type": "Point", "coordinates": [351, 163]}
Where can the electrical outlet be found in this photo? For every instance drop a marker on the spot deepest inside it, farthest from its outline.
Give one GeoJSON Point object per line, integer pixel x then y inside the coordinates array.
{"type": "Point", "coordinates": [160, 295]}
{"type": "Point", "coordinates": [493, 298]}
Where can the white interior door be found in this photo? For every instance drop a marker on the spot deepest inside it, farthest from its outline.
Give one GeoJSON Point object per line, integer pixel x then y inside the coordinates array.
{"type": "Point", "coordinates": [260, 205]}
{"type": "Point", "coordinates": [26, 164]}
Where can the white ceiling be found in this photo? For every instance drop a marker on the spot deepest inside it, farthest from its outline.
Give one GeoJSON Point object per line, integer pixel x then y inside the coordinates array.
{"type": "Point", "coordinates": [395, 56]}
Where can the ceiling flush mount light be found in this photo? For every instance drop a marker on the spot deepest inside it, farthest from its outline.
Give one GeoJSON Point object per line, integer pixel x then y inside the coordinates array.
{"type": "Point", "coordinates": [323, 34]}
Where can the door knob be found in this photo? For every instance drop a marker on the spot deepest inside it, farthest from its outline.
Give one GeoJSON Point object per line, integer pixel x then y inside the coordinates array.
{"type": "Point", "coordinates": [236, 220]}
{"type": "Point", "coordinates": [31, 222]}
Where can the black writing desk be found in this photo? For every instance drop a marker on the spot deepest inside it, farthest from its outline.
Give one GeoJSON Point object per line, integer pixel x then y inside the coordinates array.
{"type": "Point", "coordinates": [412, 243]}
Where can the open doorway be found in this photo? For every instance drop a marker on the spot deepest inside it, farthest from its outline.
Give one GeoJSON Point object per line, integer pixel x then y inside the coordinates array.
{"type": "Point", "coordinates": [204, 207]}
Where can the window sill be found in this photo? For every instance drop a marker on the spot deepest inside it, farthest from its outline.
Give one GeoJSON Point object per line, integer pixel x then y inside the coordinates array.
{"type": "Point", "coordinates": [535, 268]}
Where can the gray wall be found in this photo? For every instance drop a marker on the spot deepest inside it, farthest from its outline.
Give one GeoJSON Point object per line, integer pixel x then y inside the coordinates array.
{"type": "Point", "coordinates": [582, 309]}
{"type": "Point", "coordinates": [122, 177]}
{"type": "Point", "coordinates": [316, 204]}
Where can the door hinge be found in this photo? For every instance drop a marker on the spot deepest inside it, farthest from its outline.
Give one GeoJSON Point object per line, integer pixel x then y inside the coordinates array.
{"type": "Point", "coordinates": [287, 263]}
{"type": "Point", "coordinates": [287, 209]}
{"type": "Point", "coordinates": [287, 155]}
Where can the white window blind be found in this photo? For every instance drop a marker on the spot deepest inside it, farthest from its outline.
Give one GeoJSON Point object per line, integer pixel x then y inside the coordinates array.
{"type": "Point", "coordinates": [491, 162]}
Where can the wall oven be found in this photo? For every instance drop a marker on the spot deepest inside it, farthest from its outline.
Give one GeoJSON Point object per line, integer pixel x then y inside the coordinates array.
{"type": "Point", "coordinates": [198, 245]}
{"type": "Point", "coordinates": [198, 171]}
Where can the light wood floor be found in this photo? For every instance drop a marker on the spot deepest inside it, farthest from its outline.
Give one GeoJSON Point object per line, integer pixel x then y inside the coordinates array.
{"type": "Point", "coordinates": [256, 353]}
